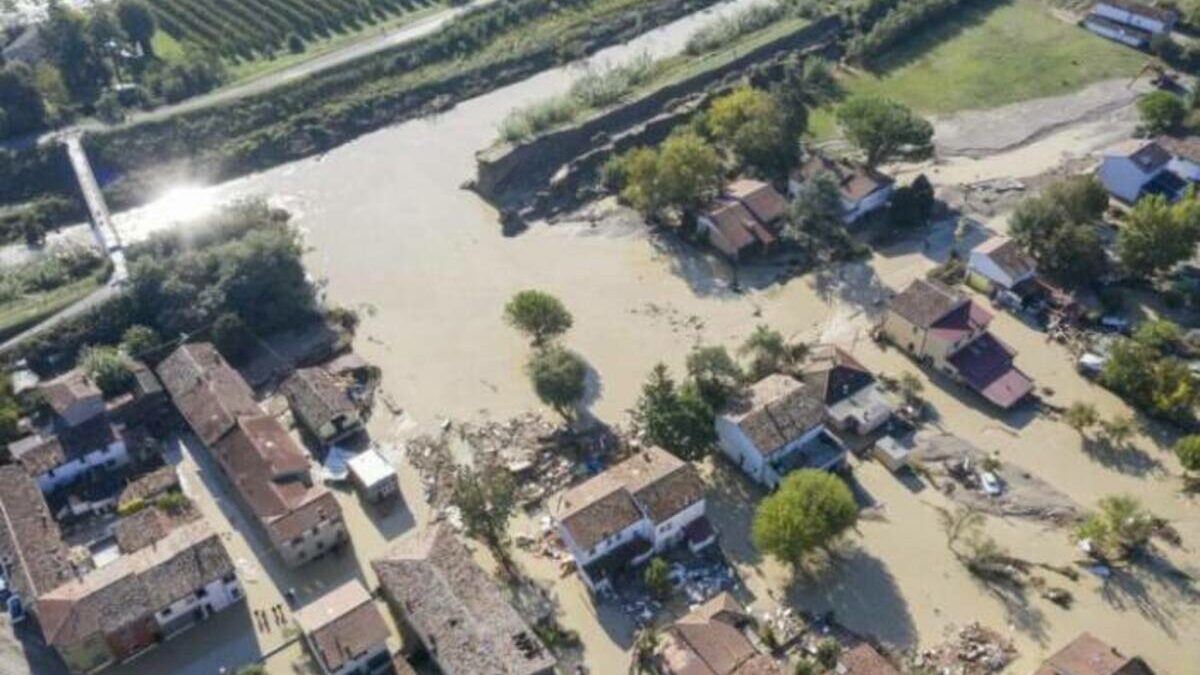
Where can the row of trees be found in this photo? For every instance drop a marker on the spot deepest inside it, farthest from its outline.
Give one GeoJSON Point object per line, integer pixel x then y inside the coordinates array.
{"type": "Point", "coordinates": [558, 375]}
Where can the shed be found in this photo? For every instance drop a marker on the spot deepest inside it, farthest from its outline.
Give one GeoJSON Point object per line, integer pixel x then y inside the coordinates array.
{"type": "Point", "coordinates": [374, 476]}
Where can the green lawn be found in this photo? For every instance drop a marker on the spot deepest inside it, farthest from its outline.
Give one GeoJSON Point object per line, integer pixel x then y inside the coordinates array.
{"type": "Point", "coordinates": [987, 56]}
{"type": "Point", "coordinates": [34, 308]}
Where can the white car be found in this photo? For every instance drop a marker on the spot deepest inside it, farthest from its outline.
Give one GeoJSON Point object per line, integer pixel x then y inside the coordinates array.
{"type": "Point", "coordinates": [991, 484]}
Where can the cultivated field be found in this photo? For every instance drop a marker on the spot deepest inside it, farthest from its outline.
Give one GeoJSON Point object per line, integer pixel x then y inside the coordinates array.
{"type": "Point", "coordinates": [988, 56]}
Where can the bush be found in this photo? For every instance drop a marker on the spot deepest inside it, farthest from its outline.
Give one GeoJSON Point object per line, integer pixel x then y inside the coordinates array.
{"type": "Point", "coordinates": [657, 577]}
{"type": "Point", "coordinates": [728, 29]}
{"type": "Point", "coordinates": [1161, 111]}
{"type": "Point", "coordinates": [109, 369]}
{"type": "Point", "coordinates": [538, 315]}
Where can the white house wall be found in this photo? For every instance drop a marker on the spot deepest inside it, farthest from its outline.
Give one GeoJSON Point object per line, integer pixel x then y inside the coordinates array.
{"type": "Point", "coordinates": [65, 474]}
{"type": "Point", "coordinates": [1122, 178]}
{"type": "Point", "coordinates": [739, 449]}
{"type": "Point", "coordinates": [872, 202]}
{"type": "Point", "coordinates": [670, 531]}
{"type": "Point", "coordinates": [329, 533]}
{"type": "Point", "coordinates": [602, 548]}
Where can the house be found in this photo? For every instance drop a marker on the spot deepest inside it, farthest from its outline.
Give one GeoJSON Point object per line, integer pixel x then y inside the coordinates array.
{"type": "Point", "coordinates": [1001, 266]}
{"type": "Point", "coordinates": [763, 201]}
{"type": "Point", "coordinates": [345, 632]}
{"type": "Point", "coordinates": [57, 457]}
{"type": "Point", "coordinates": [712, 640]}
{"type": "Point", "coordinates": [619, 518]}
{"type": "Point", "coordinates": [1117, 31]}
{"type": "Point", "coordinates": [948, 331]}
{"type": "Point", "coordinates": [374, 476]}
{"type": "Point", "coordinates": [1136, 15]}
{"type": "Point", "coordinates": [745, 220]}
{"type": "Point", "coordinates": [321, 405]}
{"type": "Point", "coordinates": [776, 427]}
{"type": "Point", "coordinates": [1140, 167]}
{"type": "Point", "coordinates": [268, 469]}
{"type": "Point", "coordinates": [166, 575]}
{"type": "Point", "coordinates": [145, 404]}
{"type": "Point", "coordinates": [446, 604]}
{"type": "Point", "coordinates": [863, 189]}
{"type": "Point", "coordinates": [863, 659]}
{"type": "Point", "coordinates": [853, 402]}
{"type": "Point", "coordinates": [1087, 655]}
{"type": "Point", "coordinates": [73, 397]}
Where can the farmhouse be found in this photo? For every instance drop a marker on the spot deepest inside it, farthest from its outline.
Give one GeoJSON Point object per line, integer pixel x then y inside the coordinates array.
{"type": "Point", "coordinates": [267, 468]}
{"type": "Point", "coordinates": [949, 331]}
{"type": "Point", "coordinates": [111, 607]}
{"type": "Point", "coordinates": [853, 402]}
{"type": "Point", "coordinates": [863, 190]}
{"type": "Point", "coordinates": [446, 604]}
{"type": "Point", "coordinates": [321, 405]}
{"type": "Point", "coordinates": [345, 632]}
{"type": "Point", "coordinates": [619, 518]}
{"type": "Point", "coordinates": [744, 221]}
{"type": "Point", "coordinates": [1087, 655]}
{"type": "Point", "coordinates": [1166, 166]}
{"type": "Point", "coordinates": [712, 639]}
{"type": "Point", "coordinates": [1000, 265]}
{"type": "Point", "coordinates": [778, 426]}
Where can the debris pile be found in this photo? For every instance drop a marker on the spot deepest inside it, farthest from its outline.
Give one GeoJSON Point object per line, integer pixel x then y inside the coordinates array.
{"type": "Point", "coordinates": [971, 650]}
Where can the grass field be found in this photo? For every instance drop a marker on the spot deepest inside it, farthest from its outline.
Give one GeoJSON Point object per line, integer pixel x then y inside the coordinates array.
{"type": "Point", "coordinates": [988, 56]}
{"type": "Point", "coordinates": [33, 308]}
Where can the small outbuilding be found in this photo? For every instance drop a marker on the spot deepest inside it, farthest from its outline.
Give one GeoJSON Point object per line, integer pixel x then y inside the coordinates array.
{"type": "Point", "coordinates": [322, 405]}
{"type": "Point", "coordinates": [374, 476]}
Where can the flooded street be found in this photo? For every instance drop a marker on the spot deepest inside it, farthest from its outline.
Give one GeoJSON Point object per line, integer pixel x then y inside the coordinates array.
{"type": "Point", "coordinates": [426, 263]}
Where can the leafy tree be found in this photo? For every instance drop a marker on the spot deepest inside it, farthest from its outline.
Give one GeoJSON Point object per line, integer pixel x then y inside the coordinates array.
{"type": "Point", "coordinates": [485, 498]}
{"type": "Point", "coordinates": [1161, 111]}
{"type": "Point", "coordinates": [231, 337]}
{"type": "Point", "coordinates": [815, 213]}
{"type": "Point", "coordinates": [1120, 528]}
{"type": "Point", "coordinates": [138, 22]}
{"type": "Point", "coordinates": [637, 172]}
{"type": "Point", "coordinates": [1157, 235]}
{"type": "Point", "coordinates": [10, 411]}
{"type": "Point", "coordinates": [911, 387]}
{"type": "Point", "coordinates": [1161, 335]}
{"type": "Point", "coordinates": [1081, 416]}
{"type": "Point", "coordinates": [109, 369]}
{"type": "Point", "coordinates": [912, 205]}
{"type": "Point", "coordinates": [1058, 229]}
{"type": "Point", "coordinates": [770, 353]}
{"type": "Point", "coordinates": [1082, 199]}
{"type": "Point", "coordinates": [1119, 429]}
{"type": "Point", "coordinates": [539, 315]}
{"type": "Point", "coordinates": [1187, 449]}
{"type": "Point", "coordinates": [753, 126]}
{"type": "Point", "coordinates": [138, 341]}
{"type": "Point", "coordinates": [810, 511]}
{"type": "Point", "coordinates": [657, 577]}
{"type": "Point", "coordinates": [69, 46]}
{"type": "Point", "coordinates": [716, 375]}
{"type": "Point", "coordinates": [677, 419]}
{"type": "Point", "coordinates": [22, 109]}
{"type": "Point", "coordinates": [884, 129]}
{"type": "Point", "coordinates": [559, 378]}
{"type": "Point", "coordinates": [1163, 386]}
{"type": "Point", "coordinates": [689, 172]}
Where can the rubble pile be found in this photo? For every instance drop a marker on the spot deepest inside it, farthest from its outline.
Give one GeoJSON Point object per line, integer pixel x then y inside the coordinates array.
{"type": "Point", "coordinates": [970, 650]}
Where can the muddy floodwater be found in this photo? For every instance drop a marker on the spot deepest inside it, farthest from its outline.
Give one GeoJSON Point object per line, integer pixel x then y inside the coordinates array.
{"type": "Point", "coordinates": [392, 234]}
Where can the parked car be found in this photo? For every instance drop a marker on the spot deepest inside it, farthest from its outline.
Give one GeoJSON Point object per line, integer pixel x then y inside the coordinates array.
{"type": "Point", "coordinates": [991, 484]}
{"type": "Point", "coordinates": [1091, 364]}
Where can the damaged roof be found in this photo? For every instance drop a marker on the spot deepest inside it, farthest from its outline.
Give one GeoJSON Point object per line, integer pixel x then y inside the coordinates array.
{"type": "Point", "coordinates": [775, 411]}
{"type": "Point", "coordinates": [208, 392]}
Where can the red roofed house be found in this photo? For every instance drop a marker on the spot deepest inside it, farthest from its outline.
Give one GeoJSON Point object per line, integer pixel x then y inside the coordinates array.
{"type": "Point", "coordinates": [862, 189]}
{"type": "Point", "coordinates": [1087, 655]}
{"type": "Point", "coordinates": [713, 639]}
{"type": "Point", "coordinates": [745, 219]}
{"type": "Point", "coordinates": [345, 631]}
{"type": "Point", "coordinates": [949, 331]}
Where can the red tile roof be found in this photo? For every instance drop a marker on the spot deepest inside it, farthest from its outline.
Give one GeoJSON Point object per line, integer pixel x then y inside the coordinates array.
{"type": "Point", "coordinates": [986, 364]}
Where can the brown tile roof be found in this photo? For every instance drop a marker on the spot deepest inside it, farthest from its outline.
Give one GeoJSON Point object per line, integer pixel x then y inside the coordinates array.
{"type": "Point", "coordinates": [834, 373]}
{"type": "Point", "coordinates": [133, 587]}
{"type": "Point", "coordinates": [65, 391]}
{"type": "Point", "coordinates": [775, 411]}
{"type": "Point", "coordinates": [149, 485]}
{"type": "Point", "coordinates": [38, 453]}
{"type": "Point", "coordinates": [653, 483]}
{"type": "Point", "coordinates": [760, 198]}
{"type": "Point", "coordinates": [148, 526]}
{"type": "Point", "coordinates": [854, 181]}
{"type": "Point", "coordinates": [343, 624]}
{"type": "Point", "coordinates": [1184, 147]}
{"type": "Point", "coordinates": [863, 659]}
{"type": "Point", "coordinates": [209, 393]}
{"type": "Point", "coordinates": [710, 641]}
{"type": "Point", "coordinates": [735, 222]}
{"type": "Point", "coordinates": [460, 615]}
{"type": "Point", "coordinates": [1008, 256]}
{"type": "Point", "coordinates": [925, 301]}
{"type": "Point", "coordinates": [31, 543]}
{"type": "Point", "coordinates": [316, 397]}
{"type": "Point", "coordinates": [1087, 655]}
{"type": "Point", "coordinates": [270, 472]}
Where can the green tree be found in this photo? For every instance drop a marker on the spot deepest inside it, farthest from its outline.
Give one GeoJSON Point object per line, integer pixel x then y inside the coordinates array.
{"type": "Point", "coordinates": [657, 577]}
{"type": "Point", "coordinates": [138, 22]}
{"type": "Point", "coordinates": [754, 127]}
{"type": "Point", "coordinates": [21, 106]}
{"type": "Point", "coordinates": [10, 411]}
{"type": "Point", "coordinates": [676, 419]}
{"type": "Point", "coordinates": [689, 173]}
{"type": "Point", "coordinates": [108, 368]}
{"type": "Point", "coordinates": [716, 375]}
{"type": "Point", "coordinates": [138, 341]}
{"type": "Point", "coordinates": [231, 337]}
{"type": "Point", "coordinates": [810, 511]}
{"type": "Point", "coordinates": [559, 378]}
{"type": "Point", "coordinates": [485, 498]}
{"type": "Point", "coordinates": [815, 213]}
{"type": "Point", "coordinates": [1187, 449]}
{"type": "Point", "coordinates": [1157, 235]}
{"type": "Point", "coordinates": [1119, 429]}
{"type": "Point", "coordinates": [770, 353]}
{"type": "Point", "coordinates": [637, 172]}
{"type": "Point", "coordinates": [1161, 111]}
{"type": "Point", "coordinates": [1058, 229]}
{"type": "Point", "coordinates": [1081, 416]}
{"type": "Point", "coordinates": [884, 129]}
{"type": "Point", "coordinates": [1118, 529]}
{"type": "Point", "coordinates": [69, 46]}
{"type": "Point", "coordinates": [912, 205]}
{"type": "Point", "coordinates": [539, 315]}
{"type": "Point", "coordinates": [1163, 386]}
{"type": "Point", "coordinates": [1161, 335]}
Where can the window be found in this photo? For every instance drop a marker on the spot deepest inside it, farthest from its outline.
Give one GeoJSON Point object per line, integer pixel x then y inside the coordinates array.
{"type": "Point", "coordinates": [297, 541]}
{"type": "Point", "coordinates": [202, 593]}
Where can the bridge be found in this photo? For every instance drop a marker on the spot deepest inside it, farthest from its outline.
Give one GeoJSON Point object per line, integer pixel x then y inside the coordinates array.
{"type": "Point", "coordinates": [103, 229]}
